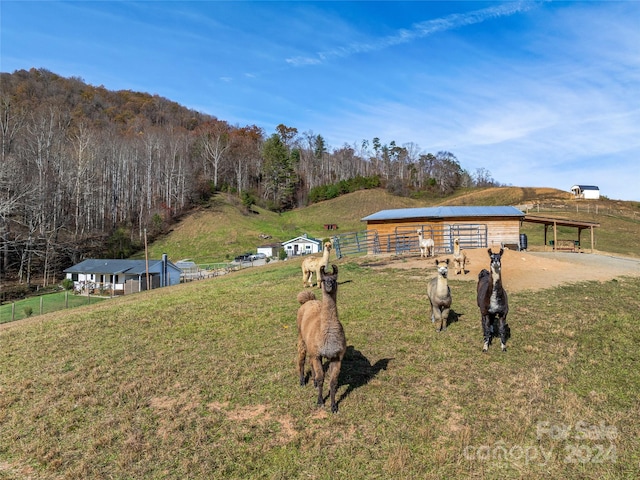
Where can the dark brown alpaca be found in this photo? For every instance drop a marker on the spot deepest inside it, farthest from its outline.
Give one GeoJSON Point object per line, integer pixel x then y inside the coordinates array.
{"type": "Point", "coordinates": [492, 300]}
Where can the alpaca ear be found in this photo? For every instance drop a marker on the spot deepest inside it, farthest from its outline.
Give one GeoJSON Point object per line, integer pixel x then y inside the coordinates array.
{"type": "Point", "coordinates": [490, 252]}
{"type": "Point", "coordinates": [322, 270]}
{"type": "Point", "coordinates": [447, 262]}
{"type": "Point", "coordinates": [335, 269]}
{"type": "Point", "coordinates": [501, 251]}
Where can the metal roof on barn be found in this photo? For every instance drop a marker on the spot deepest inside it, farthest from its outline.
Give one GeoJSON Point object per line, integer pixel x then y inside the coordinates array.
{"type": "Point", "coordinates": [444, 212]}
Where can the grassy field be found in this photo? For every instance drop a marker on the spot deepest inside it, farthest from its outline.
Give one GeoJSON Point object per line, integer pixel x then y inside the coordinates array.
{"type": "Point", "coordinates": [51, 302]}
{"type": "Point", "coordinates": [198, 381]}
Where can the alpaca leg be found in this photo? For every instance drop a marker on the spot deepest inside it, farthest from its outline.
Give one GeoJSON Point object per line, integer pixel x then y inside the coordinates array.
{"type": "Point", "coordinates": [502, 329]}
{"type": "Point", "coordinates": [444, 317]}
{"type": "Point", "coordinates": [302, 355]}
{"type": "Point", "coordinates": [486, 331]}
{"type": "Point", "coordinates": [334, 373]}
{"type": "Point", "coordinates": [318, 378]}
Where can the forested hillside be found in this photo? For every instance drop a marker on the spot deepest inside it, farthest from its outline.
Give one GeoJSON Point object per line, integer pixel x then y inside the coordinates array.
{"type": "Point", "coordinates": [86, 171]}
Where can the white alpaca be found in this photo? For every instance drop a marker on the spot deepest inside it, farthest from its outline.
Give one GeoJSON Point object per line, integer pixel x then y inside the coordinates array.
{"type": "Point", "coordinates": [311, 265]}
{"type": "Point", "coordinates": [440, 296]}
{"type": "Point", "coordinates": [426, 245]}
{"type": "Point", "coordinates": [459, 257]}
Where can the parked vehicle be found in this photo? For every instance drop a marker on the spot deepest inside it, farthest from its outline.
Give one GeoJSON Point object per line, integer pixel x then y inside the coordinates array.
{"type": "Point", "coordinates": [258, 256]}
{"type": "Point", "coordinates": [245, 257]}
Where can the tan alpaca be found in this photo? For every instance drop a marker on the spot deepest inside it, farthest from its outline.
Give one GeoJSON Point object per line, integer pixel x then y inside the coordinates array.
{"type": "Point", "coordinates": [320, 334]}
{"type": "Point", "coordinates": [459, 257]}
{"type": "Point", "coordinates": [311, 265]}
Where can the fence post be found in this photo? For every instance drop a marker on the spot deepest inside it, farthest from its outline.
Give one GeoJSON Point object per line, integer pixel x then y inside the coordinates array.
{"type": "Point", "coordinates": [66, 299]}
{"type": "Point", "coordinates": [13, 311]}
{"type": "Point", "coordinates": [41, 299]}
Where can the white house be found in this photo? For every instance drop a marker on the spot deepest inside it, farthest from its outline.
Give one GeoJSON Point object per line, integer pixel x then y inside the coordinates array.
{"type": "Point", "coordinates": [122, 276]}
{"type": "Point", "coordinates": [590, 192]}
{"type": "Point", "coordinates": [302, 245]}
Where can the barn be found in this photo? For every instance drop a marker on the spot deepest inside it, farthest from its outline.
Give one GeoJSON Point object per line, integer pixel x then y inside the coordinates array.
{"type": "Point", "coordinates": [491, 226]}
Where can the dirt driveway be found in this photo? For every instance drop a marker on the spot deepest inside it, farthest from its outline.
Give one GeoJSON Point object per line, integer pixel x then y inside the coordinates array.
{"type": "Point", "coordinates": [533, 270]}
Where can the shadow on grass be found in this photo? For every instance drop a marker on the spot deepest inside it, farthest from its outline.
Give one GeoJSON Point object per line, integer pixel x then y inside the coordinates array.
{"type": "Point", "coordinates": [356, 371]}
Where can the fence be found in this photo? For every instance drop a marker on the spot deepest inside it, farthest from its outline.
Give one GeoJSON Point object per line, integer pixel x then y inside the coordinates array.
{"type": "Point", "coordinates": [48, 303]}
{"type": "Point", "coordinates": [405, 240]}
{"type": "Point", "coordinates": [356, 243]}
{"type": "Point", "coordinates": [583, 206]}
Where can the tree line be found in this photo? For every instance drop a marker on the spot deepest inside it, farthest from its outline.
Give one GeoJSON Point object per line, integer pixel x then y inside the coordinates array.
{"type": "Point", "coordinates": [87, 171]}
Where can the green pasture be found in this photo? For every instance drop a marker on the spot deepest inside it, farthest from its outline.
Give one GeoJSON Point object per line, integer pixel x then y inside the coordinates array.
{"type": "Point", "coordinates": [198, 381]}
{"type": "Point", "coordinates": [48, 303]}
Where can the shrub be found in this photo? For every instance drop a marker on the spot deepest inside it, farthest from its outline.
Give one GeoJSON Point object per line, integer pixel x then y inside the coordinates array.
{"type": "Point", "coordinates": [67, 284]}
{"type": "Point", "coordinates": [28, 311]}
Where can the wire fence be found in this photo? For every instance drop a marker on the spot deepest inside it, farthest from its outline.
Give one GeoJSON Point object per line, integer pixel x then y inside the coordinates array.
{"type": "Point", "coordinates": [48, 303]}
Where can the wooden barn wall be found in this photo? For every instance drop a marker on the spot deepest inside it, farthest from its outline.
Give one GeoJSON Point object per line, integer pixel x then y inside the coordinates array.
{"type": "Point", "coordinates": [499, 230]}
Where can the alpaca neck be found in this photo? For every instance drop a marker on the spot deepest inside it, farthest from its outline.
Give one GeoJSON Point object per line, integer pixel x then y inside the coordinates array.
{"type": "Point", "coordinates": [329, 308]}
{"type": "Point", "coordinates": [330, 328]}
{"type": "Point", "coordinates": [441, 286]}
{"type": "Point", "coordinates": [496, 277]}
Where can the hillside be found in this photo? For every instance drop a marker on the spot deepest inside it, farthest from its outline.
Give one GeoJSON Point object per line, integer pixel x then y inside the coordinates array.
{"type": "Point", "coordinates": [225, 228]}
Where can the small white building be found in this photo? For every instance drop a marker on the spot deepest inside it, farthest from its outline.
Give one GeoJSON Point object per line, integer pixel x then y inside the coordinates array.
{"type": "Point", "coordinates": [589, 192]}
{"type": "Point", "coordinates": [302, 245]}
{"type": "Point", "coordinates": [271, 250]}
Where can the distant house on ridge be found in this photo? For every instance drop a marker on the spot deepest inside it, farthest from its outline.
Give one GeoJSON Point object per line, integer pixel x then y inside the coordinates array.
{"type": "Point", "coordinates": [589, 192]}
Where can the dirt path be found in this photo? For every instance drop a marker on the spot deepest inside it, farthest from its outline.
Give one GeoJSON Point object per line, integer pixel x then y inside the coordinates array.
{"type": "Point", "coordinates": [533, 270]}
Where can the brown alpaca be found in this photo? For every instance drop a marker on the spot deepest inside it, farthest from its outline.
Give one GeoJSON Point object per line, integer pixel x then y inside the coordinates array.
{"type": "Point", "coordinates": [311, 265]}
{"type": "Point", "coordinates": [459, 257]}
{"type": "Point", "coordinates": [320, 334]}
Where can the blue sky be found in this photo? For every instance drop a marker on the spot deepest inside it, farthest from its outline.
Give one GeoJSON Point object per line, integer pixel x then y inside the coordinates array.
{"type": "Point", "coordinates": [543, 94]}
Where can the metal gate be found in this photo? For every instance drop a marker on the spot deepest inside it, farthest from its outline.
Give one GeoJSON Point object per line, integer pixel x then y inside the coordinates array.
{"type": "Point", "coordinates": [356, 242]}
{"type": "Point", "coordinates": [470, 235]}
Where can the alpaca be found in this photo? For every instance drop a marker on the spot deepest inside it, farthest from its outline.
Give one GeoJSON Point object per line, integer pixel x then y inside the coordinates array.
{"type": "Point", "coordinates": [439, 295]}
{"type": "Point", "coordinates": [311, 265]}
{"type": "Point", "coordinates": [426, 245]}
{"type": "Point", "coordinates": [459, 257]}
{"type": "Point", "coordinates": [492, 300]}
{"type": "Point", "coordinates": [320, 334]}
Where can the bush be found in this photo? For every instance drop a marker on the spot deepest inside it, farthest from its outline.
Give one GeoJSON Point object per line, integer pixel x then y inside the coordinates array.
{"type": "Point", "coordinates": [67, 284]}
{"type": "Point", "coordinates": [28, 311]}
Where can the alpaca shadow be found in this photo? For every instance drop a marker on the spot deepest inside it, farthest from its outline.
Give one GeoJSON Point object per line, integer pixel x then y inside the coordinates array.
{"type": "Point", "coordinates": [454, 317]}
{"type": "Point", "coordinates": [495, 331]}
{"type": "Point", "coordinates": [357, 371]}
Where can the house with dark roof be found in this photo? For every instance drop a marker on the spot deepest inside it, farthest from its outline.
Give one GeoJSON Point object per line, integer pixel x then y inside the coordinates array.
{"type": "Point", "coordinates": [590, 192]}
{"type": "Point", "coordinates": [118, 277]}
{"type": "Point", "coordinates": [476, 226]}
